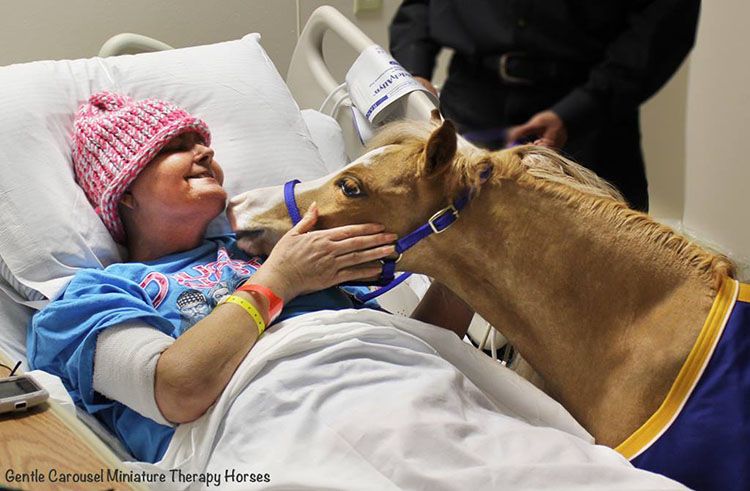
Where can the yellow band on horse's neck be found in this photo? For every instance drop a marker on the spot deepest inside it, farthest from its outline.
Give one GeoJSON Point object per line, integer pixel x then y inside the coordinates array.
{"type": "Point", "coordinates": [690, 372]}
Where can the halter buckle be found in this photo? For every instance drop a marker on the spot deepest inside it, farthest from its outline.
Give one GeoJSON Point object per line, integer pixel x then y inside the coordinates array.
{"type": "Point", "coordinates": [448, 209]}
{"type": "Point", "coordinates": [395, 261]}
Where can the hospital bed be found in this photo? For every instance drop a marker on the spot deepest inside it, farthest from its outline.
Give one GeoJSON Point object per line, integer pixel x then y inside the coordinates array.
{"type": "Point", "coordinates": [48, 231]}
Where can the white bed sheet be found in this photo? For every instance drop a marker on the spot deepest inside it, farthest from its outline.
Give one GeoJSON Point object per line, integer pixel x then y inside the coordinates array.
{"type": "Point", "coordinates": [365, 400]}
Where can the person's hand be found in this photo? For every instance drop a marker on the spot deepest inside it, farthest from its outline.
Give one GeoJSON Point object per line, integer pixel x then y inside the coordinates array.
{"type": "Point", "coordinates": [427, 85]}
{"type": "Point", "coordinates": [545, 127]}
{"type": "Point", "coordinates": [306, 260]}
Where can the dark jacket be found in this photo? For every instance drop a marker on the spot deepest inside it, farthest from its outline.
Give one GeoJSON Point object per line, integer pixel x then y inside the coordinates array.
{"type": "Point", "coordinates": [614, 54]}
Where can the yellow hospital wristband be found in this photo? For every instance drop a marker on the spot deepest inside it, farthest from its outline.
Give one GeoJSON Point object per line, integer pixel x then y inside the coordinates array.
{"type": "Point", "coordinates": [249, 308]}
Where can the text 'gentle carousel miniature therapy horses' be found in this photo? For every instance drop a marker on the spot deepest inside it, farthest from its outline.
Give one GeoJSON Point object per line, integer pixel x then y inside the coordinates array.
{"type": "Point", "coordinates": [632, 327]}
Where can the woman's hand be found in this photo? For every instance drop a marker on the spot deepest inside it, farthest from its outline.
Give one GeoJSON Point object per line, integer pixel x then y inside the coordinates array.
{"type": "Point", "coordinates": [306, 260]}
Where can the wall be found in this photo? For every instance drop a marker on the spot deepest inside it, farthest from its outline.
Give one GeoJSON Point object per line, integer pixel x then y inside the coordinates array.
{"type": "Point", "coordinates": [50, 29]}
{"type": "Point", "coordinates": [663, 121]}
{"type": "Point", "coordinates": [717, 170]}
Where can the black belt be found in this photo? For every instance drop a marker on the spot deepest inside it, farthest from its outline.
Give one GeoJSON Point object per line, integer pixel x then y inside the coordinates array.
{"type": "Point", "coordinates": [519, 68]}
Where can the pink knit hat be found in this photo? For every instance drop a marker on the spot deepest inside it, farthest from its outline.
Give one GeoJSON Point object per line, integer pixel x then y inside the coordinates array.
{"type": "Point", "coordinates": [114, 138]}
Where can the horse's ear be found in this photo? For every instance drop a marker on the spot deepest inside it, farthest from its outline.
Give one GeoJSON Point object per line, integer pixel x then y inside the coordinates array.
{"type": "Point", "coordinates": [440, 149]}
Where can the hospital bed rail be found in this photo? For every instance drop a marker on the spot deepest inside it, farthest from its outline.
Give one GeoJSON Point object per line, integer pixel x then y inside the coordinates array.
{"type": "Point", "coordinates": [129, 43]}
{"type": "Point", "coordinates": [311, 82]}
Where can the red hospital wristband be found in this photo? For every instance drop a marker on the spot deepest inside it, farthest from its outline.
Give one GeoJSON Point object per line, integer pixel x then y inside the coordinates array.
{"type": "Point", "coordinates": [275, 304]}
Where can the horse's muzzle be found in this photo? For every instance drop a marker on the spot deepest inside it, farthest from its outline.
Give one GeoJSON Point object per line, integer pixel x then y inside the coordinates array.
{"type": "Point", "coordinates": [253, 241]}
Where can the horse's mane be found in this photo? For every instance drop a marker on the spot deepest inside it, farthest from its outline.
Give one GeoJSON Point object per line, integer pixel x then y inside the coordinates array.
{"type": "Point", "coordinates": [547, 171]}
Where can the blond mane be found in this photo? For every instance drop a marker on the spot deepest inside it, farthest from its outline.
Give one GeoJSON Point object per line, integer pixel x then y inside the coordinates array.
{"type": "Point", "coordinates": [596, 197]}
{"type": "Point", "coordinates": [549, 172]}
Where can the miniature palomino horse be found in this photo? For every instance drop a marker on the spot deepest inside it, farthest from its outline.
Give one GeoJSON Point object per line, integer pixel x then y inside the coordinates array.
{"type": "Point", "coordinates": [632, 327]}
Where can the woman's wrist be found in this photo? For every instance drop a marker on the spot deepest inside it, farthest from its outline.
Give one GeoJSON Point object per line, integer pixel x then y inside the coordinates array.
{"type": "Point", "coordinates": [266, 296]}
{"type": "Point", "coordinates": [274, 282]}
{"type": "Point", "coordinates": [261, 304]}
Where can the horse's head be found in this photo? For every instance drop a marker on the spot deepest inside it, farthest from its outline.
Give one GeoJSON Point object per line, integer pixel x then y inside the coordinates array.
{"type": "Point", "coordinates": [406, 177]}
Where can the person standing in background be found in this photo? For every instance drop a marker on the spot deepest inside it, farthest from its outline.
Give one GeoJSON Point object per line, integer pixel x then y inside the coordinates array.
{"type": "Point", "coordinates": [568, 74]}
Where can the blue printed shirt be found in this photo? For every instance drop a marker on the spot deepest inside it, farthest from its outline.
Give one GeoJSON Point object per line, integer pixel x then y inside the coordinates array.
{"type": "Point", "coordinates": [170, 294]}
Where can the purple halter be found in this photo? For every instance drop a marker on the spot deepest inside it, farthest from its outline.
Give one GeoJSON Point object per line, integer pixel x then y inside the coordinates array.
{"type": "Point", "coordinates": [438, 223]}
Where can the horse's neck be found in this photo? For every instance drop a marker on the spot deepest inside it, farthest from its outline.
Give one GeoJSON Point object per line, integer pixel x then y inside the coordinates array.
{"type": "Point", "coordinates": [605, 317]}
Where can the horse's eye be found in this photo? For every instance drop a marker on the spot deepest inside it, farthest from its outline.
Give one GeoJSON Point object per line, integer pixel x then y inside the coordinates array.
{"type": "Point", "coordinates": [350, 187]}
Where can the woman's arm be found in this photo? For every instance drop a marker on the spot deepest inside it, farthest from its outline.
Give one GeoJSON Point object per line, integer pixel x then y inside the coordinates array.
{"type": "Point", "coordinates": [441, 307]}
{"type": "Point", "coordinates": [193, 372]}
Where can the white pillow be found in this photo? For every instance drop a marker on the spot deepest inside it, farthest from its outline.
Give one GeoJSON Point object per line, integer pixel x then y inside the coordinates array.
{"type": "Point", "coordinates": [328, 137]}
{"type": "Point", "coordinates": [14, 319]}
{"type": "Point", "coordinates": [47, 228]}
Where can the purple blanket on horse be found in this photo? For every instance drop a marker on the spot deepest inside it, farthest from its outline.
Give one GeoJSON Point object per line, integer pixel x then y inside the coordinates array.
{"type": "Point", "coordinates": [700, 435]}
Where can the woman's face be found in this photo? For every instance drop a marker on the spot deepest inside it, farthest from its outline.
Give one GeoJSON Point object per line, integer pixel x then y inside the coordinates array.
{"type": "Point", "coordinates": [183, 182]}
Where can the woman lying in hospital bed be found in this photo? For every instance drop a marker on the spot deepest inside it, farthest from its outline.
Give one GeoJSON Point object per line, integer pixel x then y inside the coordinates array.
{"type": "Point", "coordinates": [149, 171]}
{"type": "Point", "coordinates": [168, 349]}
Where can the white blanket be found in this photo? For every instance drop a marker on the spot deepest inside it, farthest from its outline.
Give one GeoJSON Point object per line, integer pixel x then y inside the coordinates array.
{"type": "Point", "coordinates": [362, 400]}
